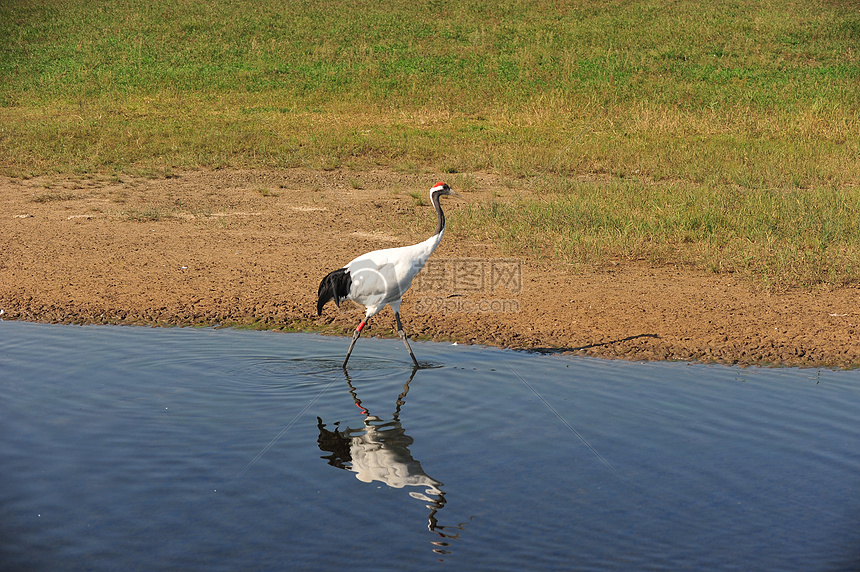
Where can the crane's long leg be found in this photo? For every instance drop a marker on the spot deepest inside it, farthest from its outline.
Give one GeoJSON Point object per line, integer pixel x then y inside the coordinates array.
{"type": "Point", "coordinates": [404, 338]}
{"type": "Point", "coordinates": [354, 338]}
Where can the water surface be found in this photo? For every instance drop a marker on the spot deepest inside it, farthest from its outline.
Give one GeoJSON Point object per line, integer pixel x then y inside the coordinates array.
{"type": "Point", "coordinates": [154, 449]}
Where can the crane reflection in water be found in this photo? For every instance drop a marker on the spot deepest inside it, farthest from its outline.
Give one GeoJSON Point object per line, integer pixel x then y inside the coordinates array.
{"type": "Point", "coordinates": [379, 451]}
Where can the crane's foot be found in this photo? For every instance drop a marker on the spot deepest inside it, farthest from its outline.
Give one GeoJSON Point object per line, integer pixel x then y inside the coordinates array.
{"type": "Point", "coordinates": [406, 341]}
{"type": "Point", "coordinates": [354, 339]}
{"type": "Point", "coordinates": [404, 337]}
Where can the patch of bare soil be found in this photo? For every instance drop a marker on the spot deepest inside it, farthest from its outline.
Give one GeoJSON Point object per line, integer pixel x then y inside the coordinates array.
{"type": "Point", "coordinates": [250, 247]}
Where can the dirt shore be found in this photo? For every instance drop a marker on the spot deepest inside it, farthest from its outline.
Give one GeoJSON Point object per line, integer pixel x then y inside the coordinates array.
{"type": "Point", "coordinates": [250, 247]}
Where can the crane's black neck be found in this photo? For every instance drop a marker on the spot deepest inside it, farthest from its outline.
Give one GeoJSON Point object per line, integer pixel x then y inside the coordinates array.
{"type": "Point", "coordinates": [440, 216]}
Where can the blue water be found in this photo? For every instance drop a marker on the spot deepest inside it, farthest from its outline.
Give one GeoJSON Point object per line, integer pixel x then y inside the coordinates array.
{"type": "Point", "coordinates": [127, 448]}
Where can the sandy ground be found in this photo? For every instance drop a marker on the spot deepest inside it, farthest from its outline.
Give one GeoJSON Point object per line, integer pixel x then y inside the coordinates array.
{"type": "Point", "coordinates": [250, 247]}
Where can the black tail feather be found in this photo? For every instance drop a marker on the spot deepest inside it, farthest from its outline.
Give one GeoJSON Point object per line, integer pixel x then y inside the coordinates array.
{"type": "Point", "coordinates": [335, 287]}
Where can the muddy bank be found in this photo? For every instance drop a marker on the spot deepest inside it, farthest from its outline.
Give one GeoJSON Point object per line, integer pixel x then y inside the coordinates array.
{"type": "Point", "coordinates": [249, 248]}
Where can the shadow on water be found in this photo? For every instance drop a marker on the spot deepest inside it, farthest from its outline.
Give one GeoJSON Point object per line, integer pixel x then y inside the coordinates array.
{"type": "Point", "coordinates": [378, 451]}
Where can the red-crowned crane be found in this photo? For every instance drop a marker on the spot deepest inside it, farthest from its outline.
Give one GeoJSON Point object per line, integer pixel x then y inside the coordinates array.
{"type": "Point", "coordinates": [381, 277]}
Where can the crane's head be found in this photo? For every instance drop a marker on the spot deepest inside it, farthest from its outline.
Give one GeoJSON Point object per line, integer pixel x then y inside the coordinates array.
{"type": "Point", "coordinates": [441, 189]}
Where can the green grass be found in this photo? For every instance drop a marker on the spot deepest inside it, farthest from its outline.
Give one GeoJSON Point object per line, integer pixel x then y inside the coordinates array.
{"type": "Point", "coordinates": [53, 196]}
{"type": "Point", "coordinates": [150, 213]}
{"type": "Point", "coordinates": [780, 238]}
{"type": "Point", "coordinates": [418, 198]}
{"type": "Point", "coordinates": [753, 101]}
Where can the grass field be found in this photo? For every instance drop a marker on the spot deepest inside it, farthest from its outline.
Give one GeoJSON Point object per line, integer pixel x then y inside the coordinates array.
{"type": "Point", "coordinates": [721, 134]}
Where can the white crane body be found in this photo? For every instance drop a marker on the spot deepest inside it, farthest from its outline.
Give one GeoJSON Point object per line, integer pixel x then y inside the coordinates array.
{"type": "Point", "coordinates": [381, 277]}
